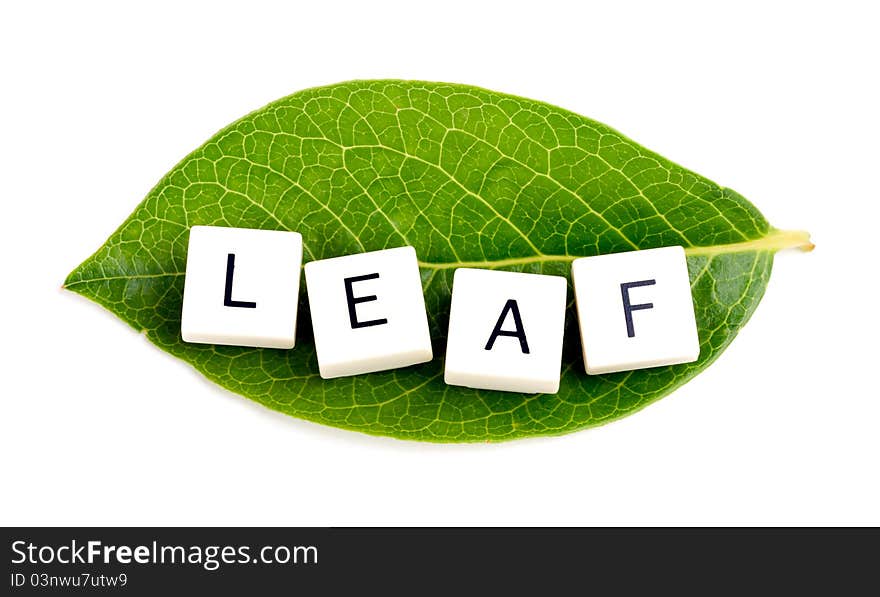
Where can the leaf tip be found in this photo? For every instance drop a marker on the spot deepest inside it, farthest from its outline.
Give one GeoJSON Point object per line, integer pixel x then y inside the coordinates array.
{"type": "Point", "coordinates": [72, 279]}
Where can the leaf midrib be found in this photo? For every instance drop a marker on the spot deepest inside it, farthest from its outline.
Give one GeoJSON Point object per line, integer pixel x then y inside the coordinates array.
{"type": "Point", "coordinates": [776, 240]}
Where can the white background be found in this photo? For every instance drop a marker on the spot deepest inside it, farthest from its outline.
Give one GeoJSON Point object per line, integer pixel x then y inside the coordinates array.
{"type": "Point", "coordinates": [776, 100]}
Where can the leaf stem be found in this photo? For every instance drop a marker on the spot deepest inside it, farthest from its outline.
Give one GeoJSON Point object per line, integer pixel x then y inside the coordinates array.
{"type": "Point", "coordinates": [775, 240]}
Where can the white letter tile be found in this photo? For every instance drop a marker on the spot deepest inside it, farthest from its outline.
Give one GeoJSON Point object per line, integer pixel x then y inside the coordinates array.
{"type": "Point", "coordinates": [505, 331]}
{"type": "Point", "coordinates": [368, 312]}
{"type": "Point", "coordinates": [635, 310]}
{"type": "Point", "coordinates": [241, 287]}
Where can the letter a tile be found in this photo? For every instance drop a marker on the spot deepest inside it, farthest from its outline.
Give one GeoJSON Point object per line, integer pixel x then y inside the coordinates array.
{"type": "Point", "coordinates": [505, 331]}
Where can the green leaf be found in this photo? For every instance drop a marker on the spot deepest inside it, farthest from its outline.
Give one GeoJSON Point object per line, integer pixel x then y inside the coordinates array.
{"type": "Point", "coordinates": [467, 176]}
